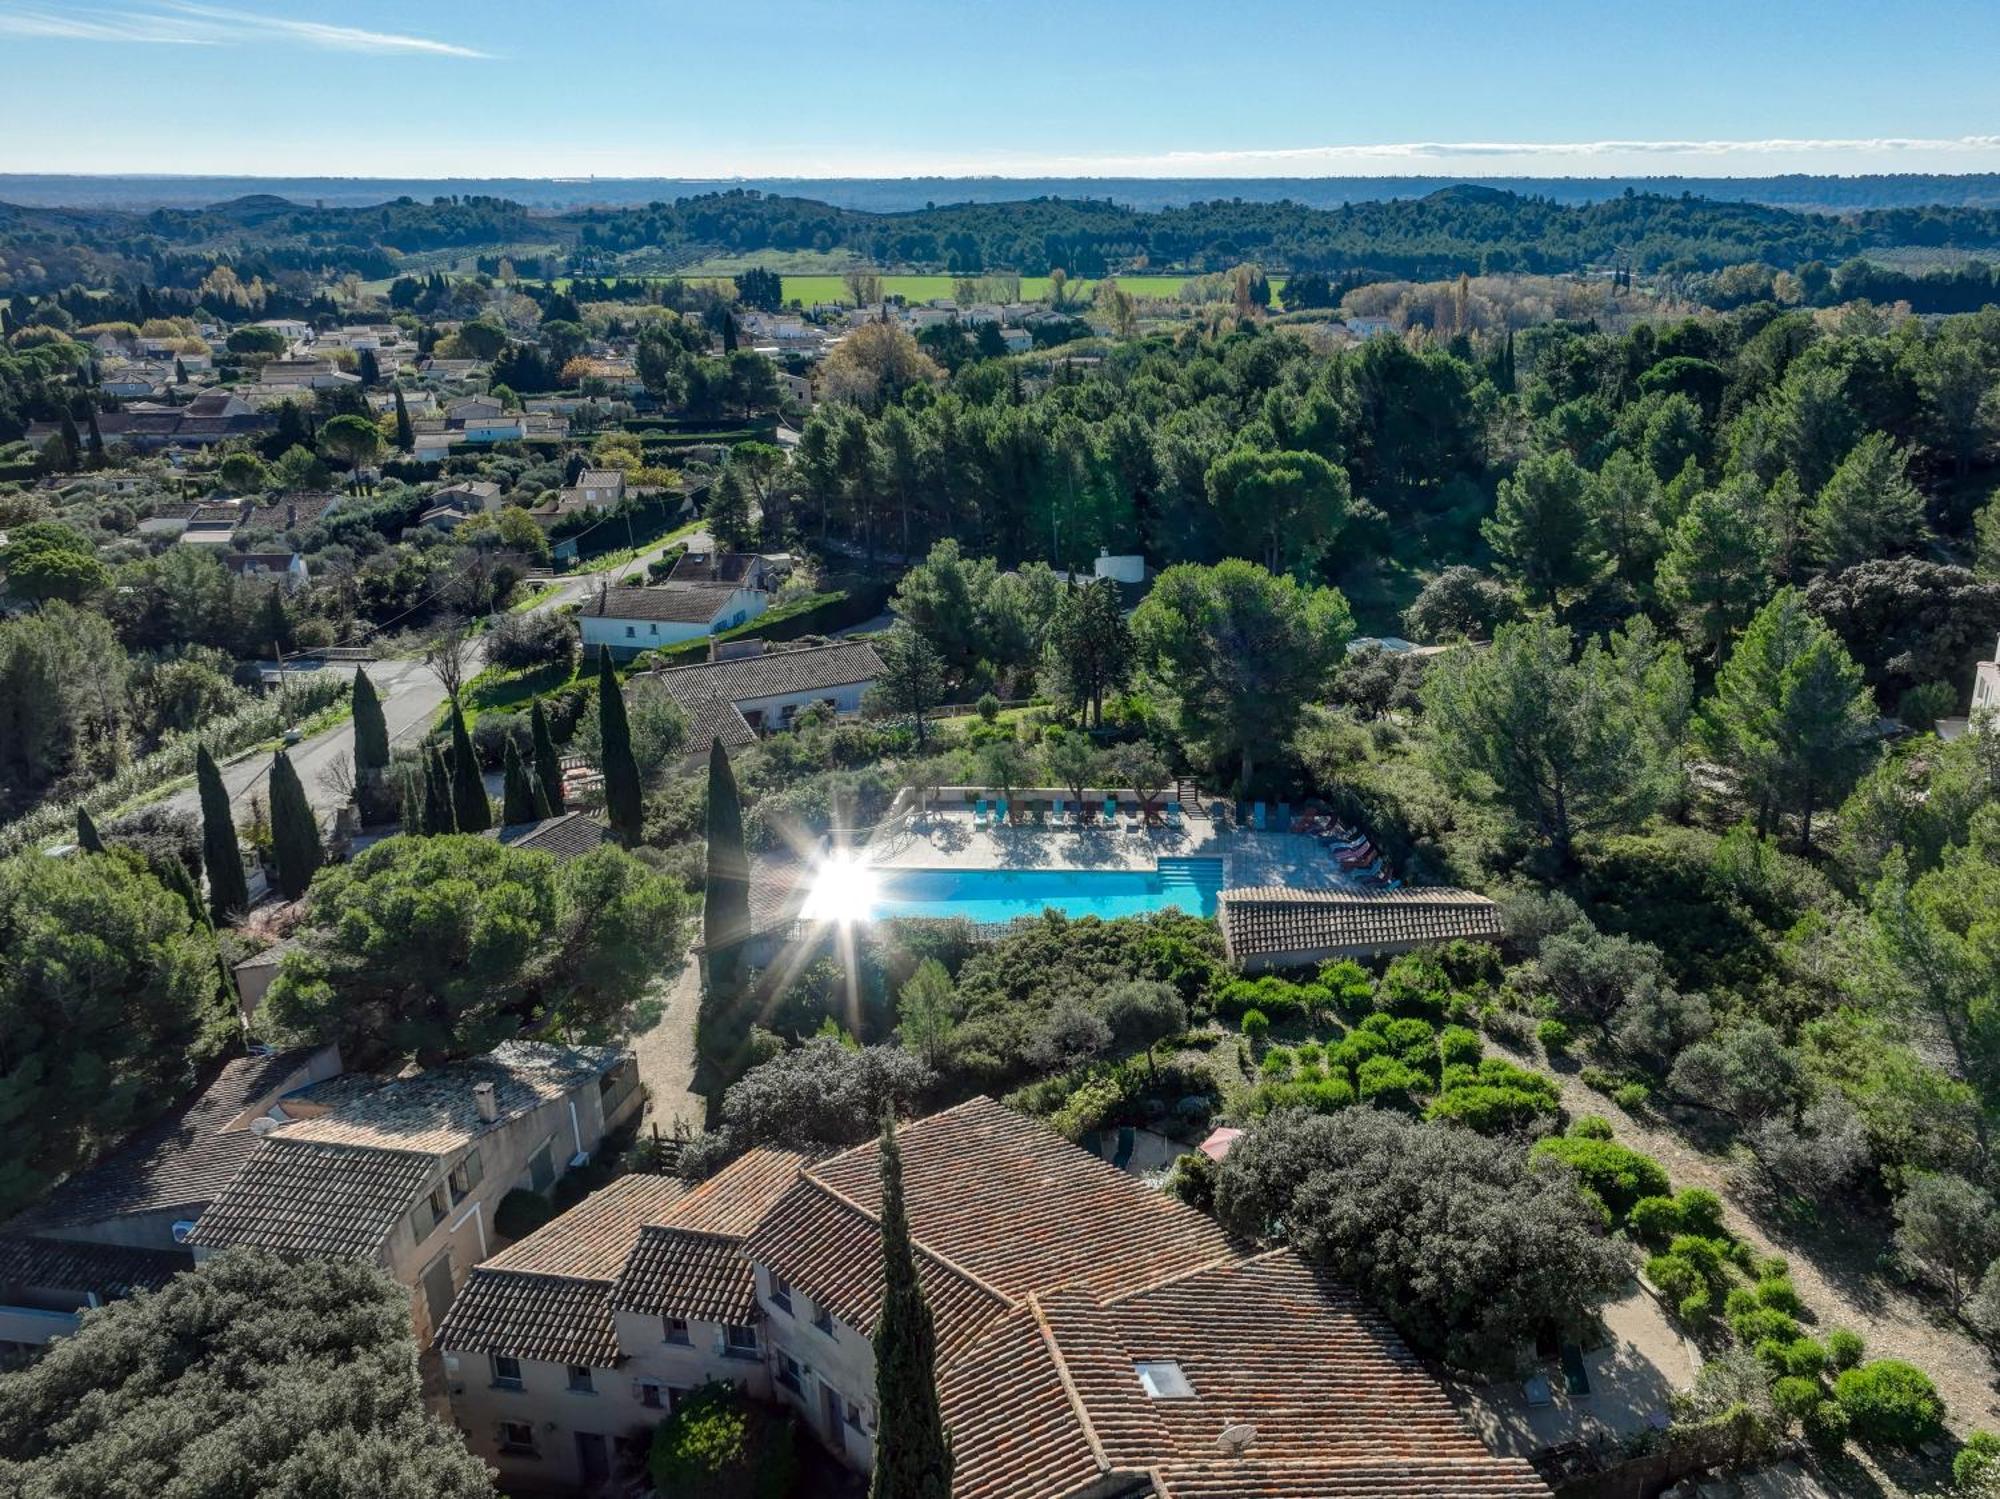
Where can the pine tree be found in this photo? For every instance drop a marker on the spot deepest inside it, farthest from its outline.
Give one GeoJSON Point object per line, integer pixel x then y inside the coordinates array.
{"type": "Point", "coordinates": [228, 892]}
{"type": "Point", "coordinates": [624, 803]}
{"type": "Point", "coordinates": [406, 435]}
{"type": "Point", "coordinates": [522, 801]}
{"type": "Point", "coordinates": [470, 809]}
{"type": "Point", "coordinates": [371, 731]}
{"type": "Point", "coordinates": [548, 767]}
{"type": "Point", "coordinates": [913, 1458]}
{"type": "Point", "coordinates": [86, 833]}
{"type": "Point", "coordinates": [439, 817]}
{"type": "Point", "coordinates": [295, 841]}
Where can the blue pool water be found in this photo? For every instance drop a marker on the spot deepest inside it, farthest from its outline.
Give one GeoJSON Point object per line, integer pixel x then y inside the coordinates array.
{"type": "Point", "coordinates": [994, 895]}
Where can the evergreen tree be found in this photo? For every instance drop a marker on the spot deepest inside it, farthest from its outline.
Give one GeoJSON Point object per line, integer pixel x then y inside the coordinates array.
{"type": "Point", "coordinates": [1869, 507]}
{"type": "Point", "coordinates": [86, 833]}
{"type": "Point", "coordinates": [96, 441]}
{"type": "Point", "coordinates": [439, 816]}
{"type": "Point", "coordinates": [1713, 572]}
{"type": "Point", "coordinates": [1790, 715]}
{"type": "Point", "coordinates": [723, 1028]}
{"type": "Point", "coordinates": [295, 841]}
{"type": "Point", "coordinates": [470, 809]}
{"type": "Point", "coordinates": [406, 435]}
{"type": "Point", "coordinates": [72, 442]}
{"type": "Point", "coordinates": [623, 801]}
{"type": "Point", "coordinates": [1540, 528]}
{"type": "Point", "coordinates": [913, 1458]}
{"type": "Point", "coordinates": [523, 801]}
{"type": "Point", "coordinates": [548, 767]}
{"type": "Point", "coordinates": [228, 891]}
{"type": "Point", "coordinates": [371, 731]}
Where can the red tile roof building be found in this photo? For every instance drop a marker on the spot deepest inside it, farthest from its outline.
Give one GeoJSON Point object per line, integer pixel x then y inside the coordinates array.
{"type": "Point", "coordinates": [1096, 1337]}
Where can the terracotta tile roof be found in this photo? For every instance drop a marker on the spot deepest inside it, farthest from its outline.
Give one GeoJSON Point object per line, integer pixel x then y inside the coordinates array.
{"type": "Point", "coordinates": [680, 603]}
{"type": "Point", "coordinates": [551, 1318]}
{"type": "Point", "coordinates": [66, 1265]}
{"type": "Point", "coordinates": [306, 1197]}
{"type": "Point", "coordinates": [1016, 1205]}
{"type": "Point", "coordinates": [775, 674]}
{"type": "Point", "coordinates": [181, 1160]}
{"type": "Point", "coordinates": [593, 1240]}
{"type": "Point", "coordinates": [569, 836]}
{"type": "Point", "coordinates": [735, 1200]}
{"type": "Point", "coordinates": [435, 1111]}
{"type": "Point", "coordinates": [680, 1272]}
{"type": "Point", "coordinates": [549, 1296]}
{"type": "Point", "coordinates": [1492, 1478]}
{"type": "Point", "coordinates": [1275, 921]}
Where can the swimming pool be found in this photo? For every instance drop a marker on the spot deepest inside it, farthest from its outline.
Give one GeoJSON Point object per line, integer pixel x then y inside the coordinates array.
{"type": "Point", "coordinates": [994, 895]}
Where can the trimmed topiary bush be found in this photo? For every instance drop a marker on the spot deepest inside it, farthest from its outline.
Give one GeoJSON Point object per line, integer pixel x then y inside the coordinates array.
{"type": "Point", "coordinates": [1780, 1295]}
{"type": "Point", "coordinates": [1632, 1097]}
{"type": "Point", "coordinates": [1654, 1220]}
{"type": "Point", "coordinates": [1792, 1396]}
{"type": "Point", "coordinates": [1844, 1348]}
{"type": "Point", "coordinates": [1256, 1024]}
{"type": "Point", "coordinates": [1701, 1212]}
{"type": "Point", "coordinates": [1459, 1045]}
{"type": "Point", "coordinates": [1590, 1127]}
{"type": "Point", "coordinates": [1553, 1035]}
{"type": "Point", "coordinates": [1977, 1460]}
{"type": "Point", "coordinates": [1826, 1428]}
{"type": "Point", "coordinates": [1890, 1403]}
{"type": "Point", "coordinates": [1763, 1325]}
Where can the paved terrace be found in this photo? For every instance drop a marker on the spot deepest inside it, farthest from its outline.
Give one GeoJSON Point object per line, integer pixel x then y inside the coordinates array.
{"type": "Point", "coordinates": [948, 838]}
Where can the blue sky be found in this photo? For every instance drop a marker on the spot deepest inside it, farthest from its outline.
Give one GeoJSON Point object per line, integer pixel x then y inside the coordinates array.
{"type": "Point", "coordinates": [893, 88]}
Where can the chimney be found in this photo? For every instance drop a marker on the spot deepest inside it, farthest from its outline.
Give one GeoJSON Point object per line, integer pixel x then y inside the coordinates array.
{"type": "Point", "coordinates": [484, 1101]}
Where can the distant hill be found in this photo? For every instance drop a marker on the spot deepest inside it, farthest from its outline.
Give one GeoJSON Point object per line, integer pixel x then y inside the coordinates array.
{"type": "Point", "coordinates": [904, 194]}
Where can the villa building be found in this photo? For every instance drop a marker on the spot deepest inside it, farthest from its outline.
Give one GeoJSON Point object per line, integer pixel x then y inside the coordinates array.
{"type": "Point", "coordinates": [1095, 1337]}
{"type": "Point", "coordinates": [738, 697]}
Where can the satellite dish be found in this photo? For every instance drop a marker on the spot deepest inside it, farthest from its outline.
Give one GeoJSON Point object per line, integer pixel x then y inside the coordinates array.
{"type": "Point", "coordinates": [1236, 1440]}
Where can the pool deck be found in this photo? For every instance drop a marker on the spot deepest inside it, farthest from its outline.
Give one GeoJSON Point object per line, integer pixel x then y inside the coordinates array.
{"type": "Point", "coordinates": [950, 840]}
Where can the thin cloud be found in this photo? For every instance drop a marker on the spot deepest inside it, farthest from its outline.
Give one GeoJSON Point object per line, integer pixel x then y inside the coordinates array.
{"type": "Point", "coordinates": [184, 23]}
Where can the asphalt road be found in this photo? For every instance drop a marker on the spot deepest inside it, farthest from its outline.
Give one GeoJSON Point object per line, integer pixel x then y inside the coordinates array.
{"type": "Point", "coordinates": [411, 699]}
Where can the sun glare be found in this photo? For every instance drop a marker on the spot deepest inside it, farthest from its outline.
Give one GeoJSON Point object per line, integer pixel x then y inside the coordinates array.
{"type": "Point", "coordinates": [843, 892]}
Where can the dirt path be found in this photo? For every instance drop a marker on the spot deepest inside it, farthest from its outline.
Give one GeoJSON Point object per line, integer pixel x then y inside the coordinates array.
{"type": "Point", "coordinates": [666, 1054]}
{"type": "Point", "coordinates": [1832, 1263]}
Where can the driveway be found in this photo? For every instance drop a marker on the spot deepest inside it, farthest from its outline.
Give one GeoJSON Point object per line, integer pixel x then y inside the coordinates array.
{"type": "Point", "coordinates": [411, 699]}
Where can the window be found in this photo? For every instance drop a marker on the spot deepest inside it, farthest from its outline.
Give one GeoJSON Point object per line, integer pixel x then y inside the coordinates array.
{"type": "Point", "coordinates": [781, 1293]}
{"type": "Point", "coordinates": [739, 1342]}
{"type": "Point", "coordinates": [677, 1330]}
{"type": "Point", "coordinates": [790, 1375]}
{"type": "Point", "coordinates": [465, 1176]}
{"type": "Point", "coordinates": [425, 1215]}
{"type": "Point", "coordinates": [823, 1320]}
{"type": "Point", "coordinates": [652, 1395]}
{"type": "Point", "coordinates": [630, 631]}
{"type": "Point", "coordinates": [542, 1166]}
{"type": "Point", "coordinates": [580, 1380]}
{"type": "Point", "coordinates": [506, 1371]}
{"type": "Point", "coordinates": [854, 1414]}
{"type": "Point", "coordinates": [1163, 1379]}
{"type": "Point", "coordinates": [518, 1437]}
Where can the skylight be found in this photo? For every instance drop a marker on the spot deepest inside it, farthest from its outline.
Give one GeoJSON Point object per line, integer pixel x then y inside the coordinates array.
{"type": "Point", "coordinates": [1163, 1379]}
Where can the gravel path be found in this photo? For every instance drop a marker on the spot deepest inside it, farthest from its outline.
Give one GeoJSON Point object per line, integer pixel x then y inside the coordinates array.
{"type": "Point", "coordinates": [1832, 1263]}
{"type": "Point", "coordinates": [666, 1054]}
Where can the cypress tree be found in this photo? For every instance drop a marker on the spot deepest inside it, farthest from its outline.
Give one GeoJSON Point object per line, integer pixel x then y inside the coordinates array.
{"type": "Point", "coordinates": [725, 910]}
{"type": "Point", "coordinates": [912, 1452]}
{"type": "Point", "coordinates": [72, 442]}
{"type": "Point", "coordinates": [228, 891]}
{"type": "Point", "coordinates": [623, 802]}
{"type": "Point", "coordinates": [439, 817]}
{"type": "Point", "coordinates": [521, 802]}
{"type": "Point", "coordinates": [371, 731]}
{"type": "Point", "coordinates": [294, 830]}
{"type": "Point", "coordinates": [406, 435]}
{"type": "Point", "coordinates": [548, 768]}
{"type": "Point", "coordinates": [469, 807]}
{"type": "Point", "coordinates": [86, 833]}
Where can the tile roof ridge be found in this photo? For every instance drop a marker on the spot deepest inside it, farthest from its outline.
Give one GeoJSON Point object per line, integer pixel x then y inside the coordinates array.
{"type": "Point", "coordinates": [874, 1141]}
{"type": "Point", "coordinates": [915, 1243]}
{"type": "Point", "coordinates": [1070, 1391]}
{"type": "Point", "coordinates": [693, 1233]}
{"type": "Point", "coordinates": [279, 1136]}
{"type": "Point", "coordinates": [1230, 1260]}
{"type": "Point", "coordinates": [485, 1267]}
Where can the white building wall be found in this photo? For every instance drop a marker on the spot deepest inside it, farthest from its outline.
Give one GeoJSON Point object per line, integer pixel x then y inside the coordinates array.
{"type": "Point", "coordinates": [809, 1363]}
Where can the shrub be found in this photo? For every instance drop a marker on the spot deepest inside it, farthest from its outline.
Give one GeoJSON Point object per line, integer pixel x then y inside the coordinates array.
{"type": "Point", "coordinates": [1591, 1127]}
{"type": "Point", "coordinates": [1488, 1107]}
{"type": "Point", "coordinates": [1701, 1212]}
{"type": "Point", "coordinates": [1763, 1325]}
{"type": "Point", "coordinates": [1631, 1097]}
{"type": "Point", "coordinates": [1826, 1428]}
{"type": "Point", "coordinates": [1891, 1403]}
{"type": "Point", "coordinates": [1256, 1025]}
{"type": "Point", "coordinates": [1414, 981]}
{"type": "Point", "coordinates": [1674, 1276]}
{"type": "Point", "coordinates": [1979, 1457]}
{"type": "Point", "coordinates": [988, 707]}
{"type": "Point", "coordinates": [1805, 1358]}
{"type": "Point", "coordinates": [1458, 1044]}
{"type": "Point", "coordinates": [1619, 1175]}
{"type": "Point", "coordinates": [520, 1213]}
{"type": "Point", "coordinates": [1277, 1061]}
{"type": "Point", "coordinates": [1770, 1267]}
{"type": "Point", "coordinates": [1553, 1035]}
{"type": "Point", "coordinates": [722, 1446]}
{"type": "Point", "coordinates": [1391, 1082]}
{"type": "Point", "coordinates": [1792, 1397]}
{"type": "Point", "coordinates": [1779, 1294]}
{"type": "Point", "coordinates": [1319, 1095]}
{"type": "Point", "coordinates": [1710, 1256]}
{"type": "Point", "coordinates": [1844, 1348]}
{"type": "Point", "coordinates": [1654, 1220]}
{"type": "Point", "coordinates": [1693, 1308]}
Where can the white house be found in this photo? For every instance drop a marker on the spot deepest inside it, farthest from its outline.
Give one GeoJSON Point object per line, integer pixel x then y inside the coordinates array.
{"type": "Point", "coordinates": [595, 489]}
{"type": "Point", "coordinates": [288, 568]}
{"type": "Point", "coordinates": [631, 620]}
{"type": "Point", "coordinates": [759, 691]}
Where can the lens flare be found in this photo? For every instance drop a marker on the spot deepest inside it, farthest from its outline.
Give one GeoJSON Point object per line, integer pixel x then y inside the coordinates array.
{"type": "Point", "coordinates": [844, 891]}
